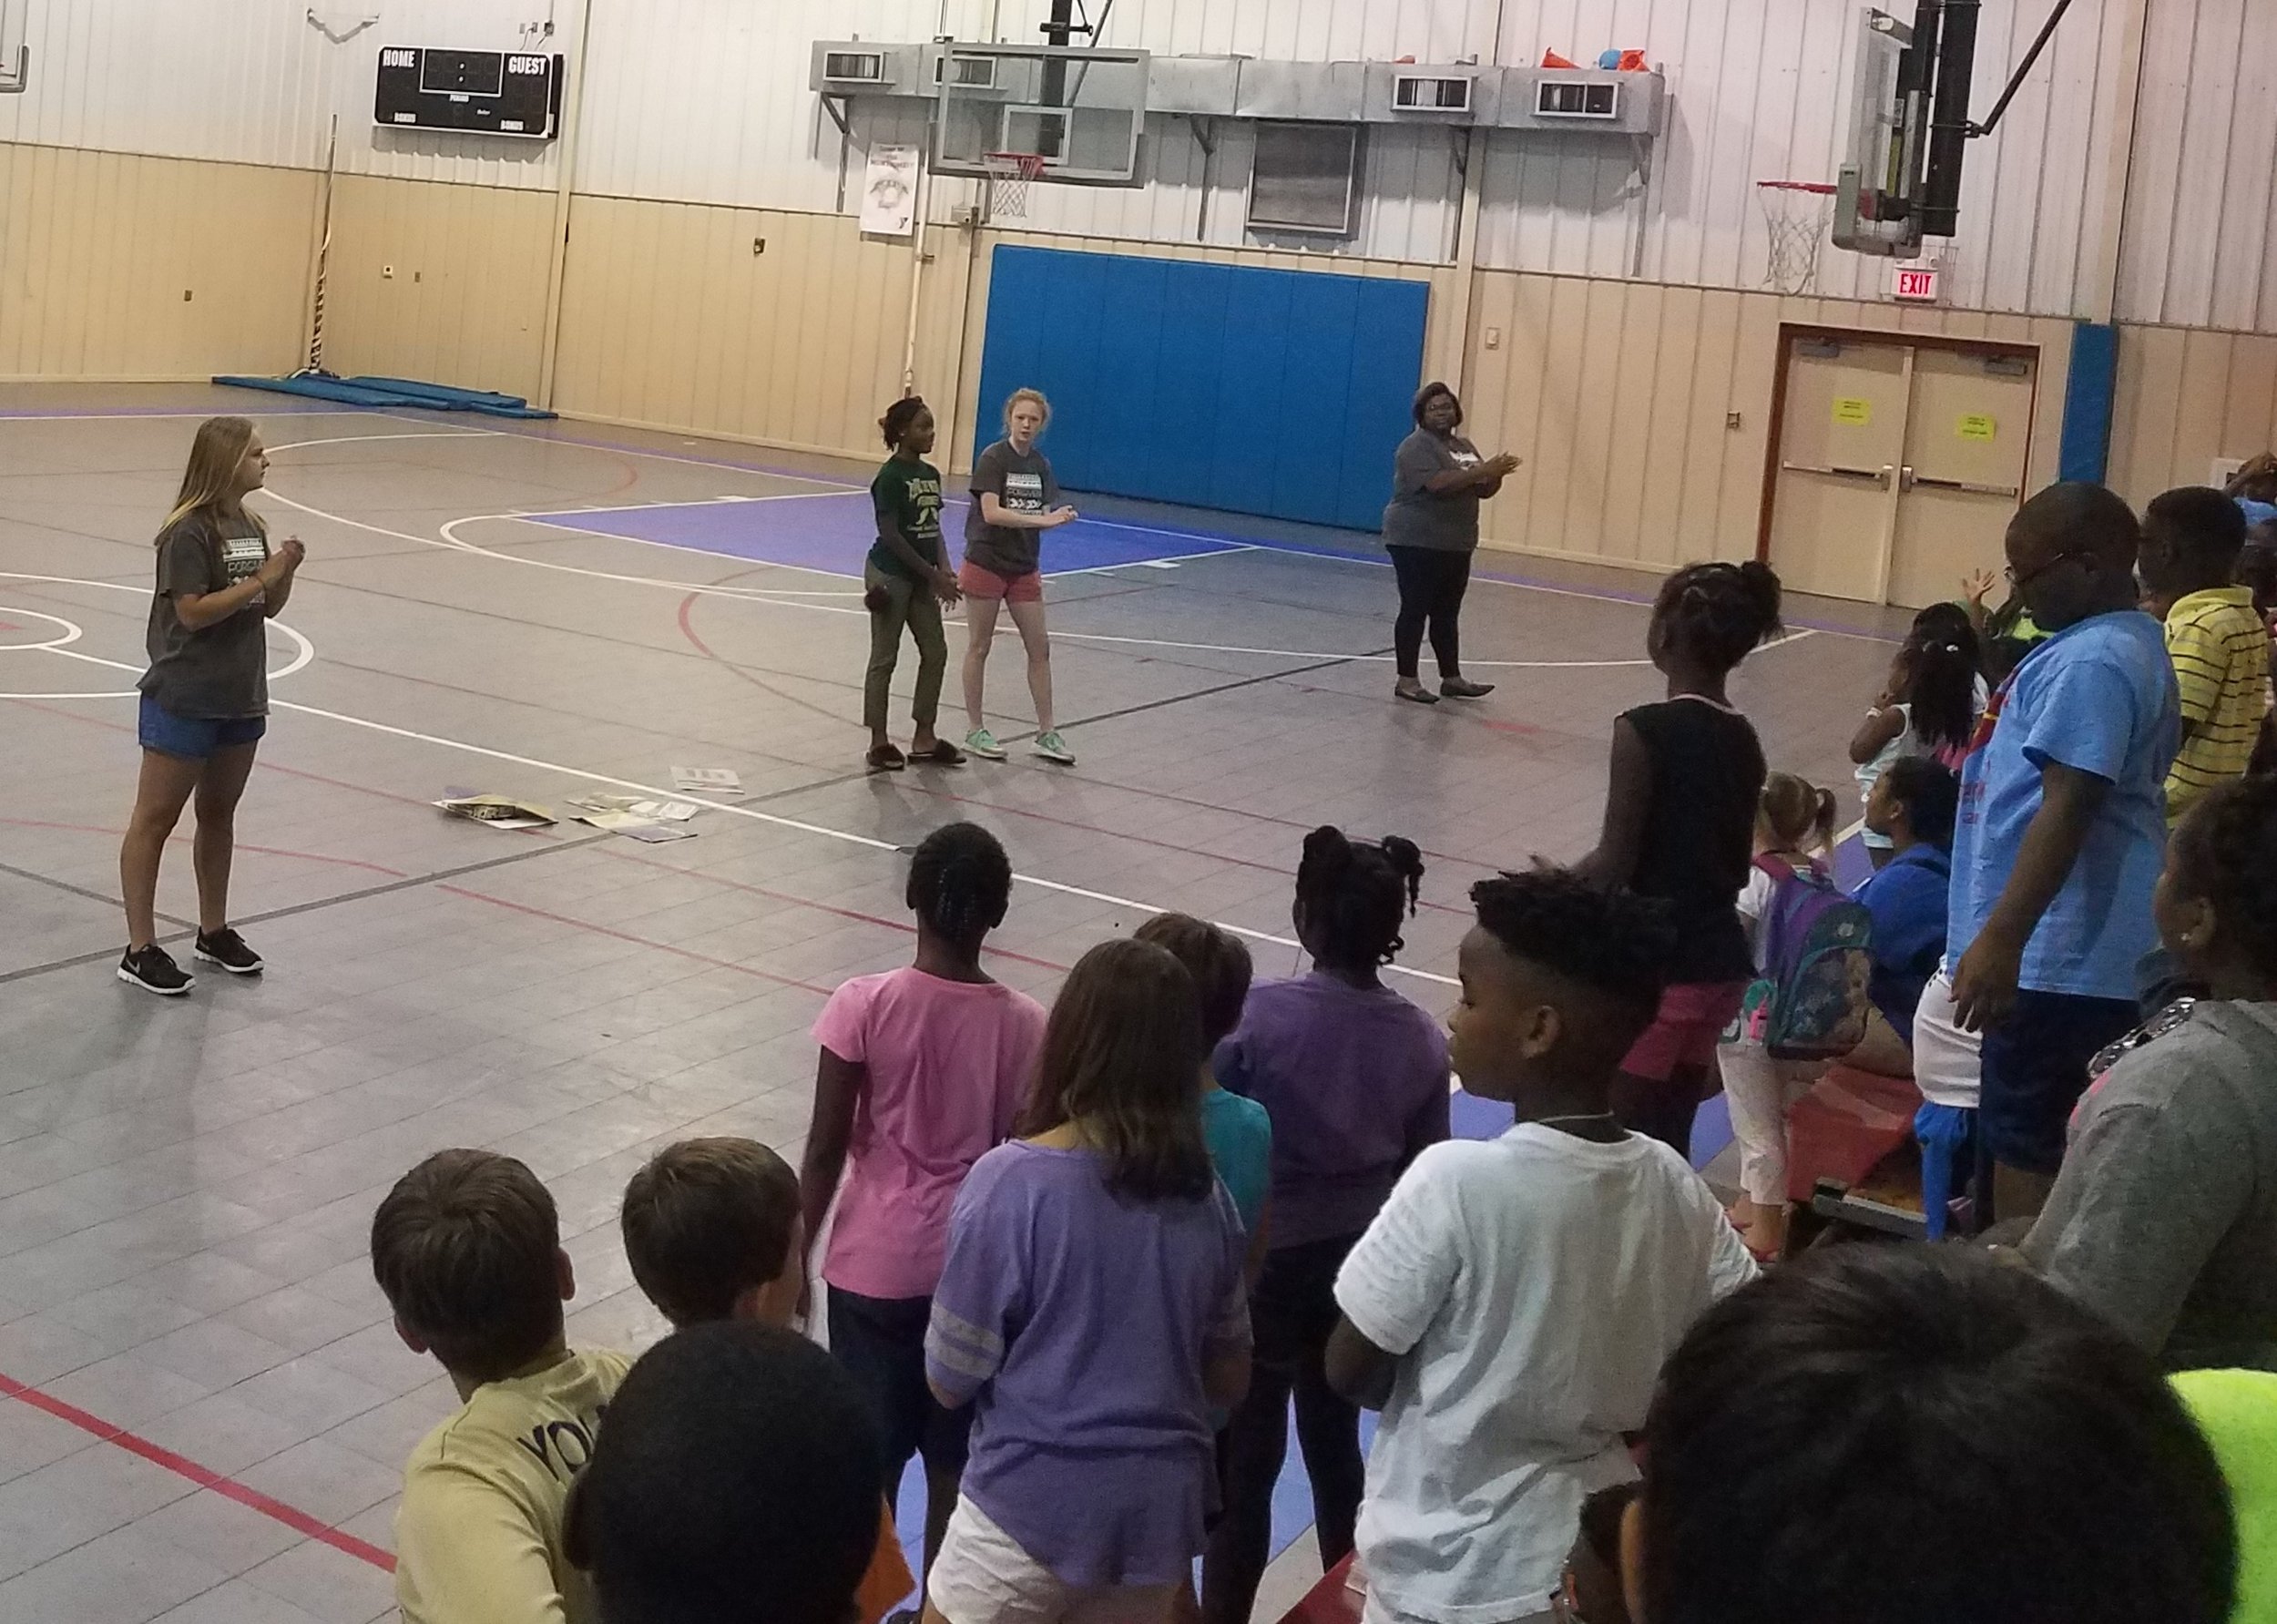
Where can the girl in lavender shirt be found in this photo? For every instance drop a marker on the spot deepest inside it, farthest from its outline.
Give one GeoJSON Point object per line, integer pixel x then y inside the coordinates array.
{"type": "Point", "coordinates": [1354, 1078]}
{"type": "Point", "coordinates": [1092, 1311]}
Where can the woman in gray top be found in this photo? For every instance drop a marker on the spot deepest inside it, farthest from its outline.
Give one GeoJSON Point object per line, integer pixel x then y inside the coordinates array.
{"type": "Point", "coordinates": [205, 698]}
{"type": "Point", "coordinates": [1431, 529]}
{"type": "Point", "coordinates": [1016, 499]}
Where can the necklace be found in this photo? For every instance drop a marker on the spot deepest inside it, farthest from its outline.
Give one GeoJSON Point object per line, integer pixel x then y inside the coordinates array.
{"type": "Point", "coordinates": [1561, 1121]}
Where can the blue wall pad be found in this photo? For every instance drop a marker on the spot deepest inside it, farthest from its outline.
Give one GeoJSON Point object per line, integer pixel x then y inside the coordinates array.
{"type": "Point", "coordinates": [1279, 393]}
{"type": "Point", "coordinates": [2087, 394]}
{"type": "Point", "coordinates": [392, 391]}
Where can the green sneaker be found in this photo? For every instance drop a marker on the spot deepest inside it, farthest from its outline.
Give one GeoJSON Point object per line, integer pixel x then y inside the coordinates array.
{"type": "Point", "coordinates": [1053, 748]}
{"type": "Point", "coordinates": [983, 743]}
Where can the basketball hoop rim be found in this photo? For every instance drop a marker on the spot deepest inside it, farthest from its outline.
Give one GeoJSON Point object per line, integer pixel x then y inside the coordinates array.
{"type": "Point", "coordinates": [1028, 165]}
{"type": "Point", "coordinates": [1820, 189]}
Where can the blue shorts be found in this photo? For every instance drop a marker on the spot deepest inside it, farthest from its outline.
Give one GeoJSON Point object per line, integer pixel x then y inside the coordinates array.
{"type": "Point", "coordinates": [193, 738]}
{"type": "Point", "coordinates": [2036, 1068]}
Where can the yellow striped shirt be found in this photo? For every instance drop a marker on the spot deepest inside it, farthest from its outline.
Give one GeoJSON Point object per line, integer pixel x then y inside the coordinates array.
{"type": "Point", "coordinates": [2221, 653]}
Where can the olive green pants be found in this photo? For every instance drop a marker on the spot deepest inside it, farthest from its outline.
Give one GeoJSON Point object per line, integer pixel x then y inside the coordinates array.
{"type": "Point", "coordinates": [909, 604]}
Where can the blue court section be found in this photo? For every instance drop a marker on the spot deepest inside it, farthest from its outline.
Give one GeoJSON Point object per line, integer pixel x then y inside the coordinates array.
{"type": "Point", "coordinates": [1277, 392]}
{"type": "Point", "coordinates": [832, 531]}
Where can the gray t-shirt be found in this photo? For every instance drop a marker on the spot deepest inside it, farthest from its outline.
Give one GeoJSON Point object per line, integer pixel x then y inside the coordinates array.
{"type": "Point", "coordinates": [2165, 1217]}
{"type": "Point", "coordinates": [1418, 517]}
{"type": "Point", "coordinates": [1024, 485]}
{"type": "Point", "coordinates": [222, 671]}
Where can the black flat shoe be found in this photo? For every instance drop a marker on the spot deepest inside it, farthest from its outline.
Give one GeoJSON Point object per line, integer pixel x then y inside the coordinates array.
{"type": "Point", "coordinates": [1416, 696]}
{"type": "Point", "coordinates": [1459, 689]}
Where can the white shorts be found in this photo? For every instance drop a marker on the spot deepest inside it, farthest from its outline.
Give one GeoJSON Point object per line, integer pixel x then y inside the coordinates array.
{"type": "Point", "coordinates": [1948, 1061]}
{"type": "Point", "coordinates": [982, 1577]}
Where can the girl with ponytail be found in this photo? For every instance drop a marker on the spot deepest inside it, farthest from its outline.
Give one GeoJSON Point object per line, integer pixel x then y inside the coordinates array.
{"type": "Point", "coordinates": [1354, 1080]}
{"type": "Point", "coordinates": [922, 1072]}
{"type": "Point", "coordinates": [1680, 825]}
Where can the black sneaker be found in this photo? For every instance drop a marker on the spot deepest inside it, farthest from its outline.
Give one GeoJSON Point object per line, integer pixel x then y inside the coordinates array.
{"type": "Point", "coordinates": [227, 948]}
{"type": "Point", "coordinates": [153, 969]}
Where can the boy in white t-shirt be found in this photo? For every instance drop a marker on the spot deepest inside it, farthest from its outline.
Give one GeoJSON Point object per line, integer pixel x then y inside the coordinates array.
{"type": "Point", "coordinates": [1509, 1308]}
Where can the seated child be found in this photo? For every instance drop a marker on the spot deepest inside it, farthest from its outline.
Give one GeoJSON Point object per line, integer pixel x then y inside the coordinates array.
{"type": "Point", "coordinates": [1915, 1434]}
{"type": "Point", "coordinates": [712, 1232]}
{"type": "Point", "coordinates": [1794, 834]}
{"type": "Point", "coordinates": [1912, 807]}
{"type": "Point", "coordinates": [1511, 1304]}
{"type": "Point", "coordinates": [2164, 1216]}
{"type": "Point", "coordinates": [736, 1482]}
{"type": "Point", "coordinates": [467, 1250]}
{"type": "Point", "coordinates": [1092, 1313]}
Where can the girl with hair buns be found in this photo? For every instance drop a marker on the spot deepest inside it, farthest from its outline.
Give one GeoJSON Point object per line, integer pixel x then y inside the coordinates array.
{"type": "Point", "coordinates": [1016, 499]}
{"type": "Point", "coordinates": [205, 698]}
{"type": "Point", "coordinates": [906, 582]}
{"type": "Point", "coordinates": [922, 1070]}
{"type": "Point", "coordinates": [1354, 1080]}
{"type": "Point", "coordinates": [1687, 777]}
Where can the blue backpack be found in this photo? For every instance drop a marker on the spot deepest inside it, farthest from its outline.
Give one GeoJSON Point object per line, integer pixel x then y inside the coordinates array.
{"type": "Point", "coordinates": [1810, 1003]}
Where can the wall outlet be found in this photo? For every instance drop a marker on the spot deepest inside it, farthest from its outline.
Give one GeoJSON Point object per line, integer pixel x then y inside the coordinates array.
{"type": "Point", "coordinates": [759, 246]}
{"type": "Point", "coordinates": [387, 273]}
{"type": "Point", "coordinates": [185, 295]}
{"type": "Point", "coordinates": [1731, 420]}
{"type": "Point", "coordinates": [1494, 338]}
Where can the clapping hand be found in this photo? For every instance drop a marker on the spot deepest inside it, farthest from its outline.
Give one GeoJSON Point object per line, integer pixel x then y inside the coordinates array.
{"type": "Point", "coordinates": [1978, 585]}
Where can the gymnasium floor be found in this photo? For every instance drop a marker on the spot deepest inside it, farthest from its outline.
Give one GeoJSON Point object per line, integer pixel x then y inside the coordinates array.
{"type": "Point", "coordinates": [203, 1410]}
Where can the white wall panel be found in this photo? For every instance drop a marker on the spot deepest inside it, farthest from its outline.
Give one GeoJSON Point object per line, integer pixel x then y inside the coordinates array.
{"type": "Point", "coordinates": [2198, 248]}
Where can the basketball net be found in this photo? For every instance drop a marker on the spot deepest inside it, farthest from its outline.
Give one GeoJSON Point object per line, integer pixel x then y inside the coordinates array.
{"type": "Point", "coordinates": [1010, 176]}
{"type": "Point", "coordinates": [1797, 213]}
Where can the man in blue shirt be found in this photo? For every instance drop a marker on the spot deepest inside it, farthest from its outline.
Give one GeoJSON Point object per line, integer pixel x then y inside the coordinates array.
{"type": "Point", "coordinates": [2062, 833]}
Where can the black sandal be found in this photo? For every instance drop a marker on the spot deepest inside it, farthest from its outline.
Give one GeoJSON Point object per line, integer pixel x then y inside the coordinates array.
{"type": "Point", "coordinates": [886, 757]}
{"type": "Point", "coordinates": [941, 753]}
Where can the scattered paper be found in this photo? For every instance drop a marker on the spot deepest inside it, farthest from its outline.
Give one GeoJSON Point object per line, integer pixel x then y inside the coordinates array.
{"type": "Point", "coordinates": [500, 812]}
{"type": "Point", "coordinates": [617, 822]}
{"type": "Point", "coordinates": [657, 833]}
{"type": "Point", "coordinates": [709, 780]}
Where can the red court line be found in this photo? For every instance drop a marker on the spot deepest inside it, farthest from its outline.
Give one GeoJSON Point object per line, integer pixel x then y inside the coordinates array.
{"type": "Point", "coordinates": [902, 926]}
{"type": "Point", "coordinates": [228, 1488]}
{"type": "Point", "coordinates": [603, 930]}
{"type": "Point", "coordinates": [178, 840]}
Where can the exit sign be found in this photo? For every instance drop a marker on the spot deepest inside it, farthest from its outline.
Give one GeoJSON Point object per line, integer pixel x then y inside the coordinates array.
{"type": "Point", "coordinates": [1916, 283]}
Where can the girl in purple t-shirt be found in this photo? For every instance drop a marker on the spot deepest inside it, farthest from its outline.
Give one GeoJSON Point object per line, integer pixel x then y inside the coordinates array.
{"type": "Point", "coordinates": [922, 1071]}
{"type": "Point", "coordinates": [1091, 1312]}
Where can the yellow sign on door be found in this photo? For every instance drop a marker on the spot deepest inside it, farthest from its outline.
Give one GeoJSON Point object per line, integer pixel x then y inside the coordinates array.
{"type": "Point", "coordinates": [1852, 411]}
{"type": "Point", "coordinates": [1976, 426]}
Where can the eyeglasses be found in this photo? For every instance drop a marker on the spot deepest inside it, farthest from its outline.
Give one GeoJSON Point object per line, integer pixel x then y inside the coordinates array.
{"type": "Point", "coordinates": [2017, 583]}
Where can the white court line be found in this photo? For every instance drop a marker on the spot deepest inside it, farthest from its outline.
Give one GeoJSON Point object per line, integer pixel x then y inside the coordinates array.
{"type": "Point", "coordinates": [306, 649]}
{"type": "Point", "coordinates": [72, 630]}
{"type": "Point", "coordinates": [355, 439]}
{"type": "Point", "coordinates": [845, 835]}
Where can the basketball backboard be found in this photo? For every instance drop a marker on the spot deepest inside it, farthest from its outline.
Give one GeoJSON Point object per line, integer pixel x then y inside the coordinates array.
{"type": "Point", "coordinates": [1879, 185]}
{"type": "Point", "coordinates": [1080, 110]}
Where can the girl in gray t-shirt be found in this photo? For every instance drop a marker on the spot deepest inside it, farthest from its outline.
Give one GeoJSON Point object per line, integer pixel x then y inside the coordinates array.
{"type": "Point", "coordinates": [1014, 500]}
{"type": "Point", "coordinates": [205, 698]}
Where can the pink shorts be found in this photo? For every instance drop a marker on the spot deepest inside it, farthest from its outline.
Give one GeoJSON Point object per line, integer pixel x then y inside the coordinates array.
{"type": "Point", "coordinates": [978, 582]}
{"type": "Point", "coordinates": [1683, 1034]}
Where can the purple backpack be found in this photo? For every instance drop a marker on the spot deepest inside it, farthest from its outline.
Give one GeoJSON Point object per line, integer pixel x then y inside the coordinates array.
{"type": "Point", "coordinates": [1810, 1002]}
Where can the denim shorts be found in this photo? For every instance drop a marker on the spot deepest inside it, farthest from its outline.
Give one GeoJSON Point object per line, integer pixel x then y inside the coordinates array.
{"type": "Point", "coordinates": [193, 738]}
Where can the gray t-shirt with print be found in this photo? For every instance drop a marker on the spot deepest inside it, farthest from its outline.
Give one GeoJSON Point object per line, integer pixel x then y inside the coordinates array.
{"type": "Point", "coordinates": [1420, 518]}
{"type": "Point", "coordinates": [1024, 485]}
{"type": "Point", "coordinates": [2164, 1218]}
{"type": "Point", "coordinates": [222, 670]}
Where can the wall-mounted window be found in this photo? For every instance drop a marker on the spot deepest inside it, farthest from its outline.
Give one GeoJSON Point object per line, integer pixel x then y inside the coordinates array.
{"type": "Point", "coordinates": [1306, 177]}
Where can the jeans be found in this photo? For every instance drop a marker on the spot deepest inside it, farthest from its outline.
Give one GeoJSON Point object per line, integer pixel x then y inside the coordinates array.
{"type": "Point", "coordinates": [1430, 586]}
{"type": "Point", "coordinates": [1291, 1312]}
{"type": "Point", "coordinates": [911, 604]}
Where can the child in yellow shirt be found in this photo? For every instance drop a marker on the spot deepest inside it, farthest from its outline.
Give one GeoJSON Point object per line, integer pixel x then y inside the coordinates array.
{"type": "Point", "coordinates": [2191, 542]}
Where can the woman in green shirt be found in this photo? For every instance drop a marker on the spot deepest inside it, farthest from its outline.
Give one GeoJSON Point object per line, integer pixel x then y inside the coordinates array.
{"type": "Point", "coordinates": [908, 581]}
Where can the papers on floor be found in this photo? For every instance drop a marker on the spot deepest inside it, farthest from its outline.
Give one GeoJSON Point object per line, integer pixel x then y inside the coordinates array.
{"type": "Point", "coordinates": [643, 819]}
{"type": "Point", "coordinates": [500, 812]}
{"type": "Point", "coordinates": [722, 781]}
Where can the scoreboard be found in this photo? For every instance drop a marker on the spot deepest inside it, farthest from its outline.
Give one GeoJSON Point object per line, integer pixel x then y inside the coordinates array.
{"type": "Point", "coordinates": [489, 93]}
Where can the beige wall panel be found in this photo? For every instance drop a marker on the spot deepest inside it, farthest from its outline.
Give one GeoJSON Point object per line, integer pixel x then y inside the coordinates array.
{"type": "Point", "coordinates": [97, 250]}
{"type": "Point", "coordinates": [2185, 398]}
{"type": "Point", "coordinates": [1657, 475]}
{"type": "Point", "coordinates": [1639, 328]}
{"type": "Point", "coordinates": [466, 303]}
{"type": "Point", "coordinates": [2149, 391]}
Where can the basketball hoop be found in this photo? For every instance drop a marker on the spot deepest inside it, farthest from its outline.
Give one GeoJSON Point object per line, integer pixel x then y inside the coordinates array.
{"type": "Point", "coordinates": [1010, 174]}
{"type": "Point", "coordinates": [1797, 212]}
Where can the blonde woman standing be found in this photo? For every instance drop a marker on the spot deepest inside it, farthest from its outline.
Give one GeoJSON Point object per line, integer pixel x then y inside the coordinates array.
{"type": "Point", "coordinates": [1016, 499]}
{"type": "Point", "coordinates": [205, 698]}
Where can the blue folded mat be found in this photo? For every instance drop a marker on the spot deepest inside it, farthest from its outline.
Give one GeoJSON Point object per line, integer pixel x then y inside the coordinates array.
{"type": "Point", "coordinates": [392, 391]}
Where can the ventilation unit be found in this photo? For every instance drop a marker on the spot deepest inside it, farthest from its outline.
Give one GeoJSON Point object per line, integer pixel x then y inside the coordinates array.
{"type": "Point", "coordinates": [1578, 98]}
{"type": "Point", "coordinates": [853, 67]}
{"type": "Point", "coordinates": [1430, 93]}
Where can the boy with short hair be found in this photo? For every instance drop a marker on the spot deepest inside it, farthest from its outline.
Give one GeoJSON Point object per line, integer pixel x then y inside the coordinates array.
{"type": "Point", "coordinates": [1921, 1435]}
{"type": "Point", "coordinates": [713, 1232]}
{"type": "Point", "coordinates": [467, 1250]}
{"type": "Point", "coordinates": [1511, 1304]}
{"type": "Point", "coordinates": [2192, 540]}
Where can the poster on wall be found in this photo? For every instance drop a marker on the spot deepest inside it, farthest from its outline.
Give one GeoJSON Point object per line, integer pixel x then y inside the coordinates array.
{"type": "Point", "coordinates": [889, 192]}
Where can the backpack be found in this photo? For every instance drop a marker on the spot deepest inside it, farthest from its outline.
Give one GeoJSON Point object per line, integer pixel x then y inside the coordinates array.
{"type": "Point", "coordinates": [1811, 1001]}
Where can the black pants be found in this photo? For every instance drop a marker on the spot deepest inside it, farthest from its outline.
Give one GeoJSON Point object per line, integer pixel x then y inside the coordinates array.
{"type": "Point", "coordinates": [880, 1341]}
{"type": "Point", "coordinates": [1430, 586]}
{"type": "Point", "coordinates": [1291, 1312]}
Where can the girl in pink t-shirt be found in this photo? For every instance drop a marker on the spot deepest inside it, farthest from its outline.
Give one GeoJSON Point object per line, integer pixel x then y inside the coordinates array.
{"type": "Point", "coordinates": [922, 1072]}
